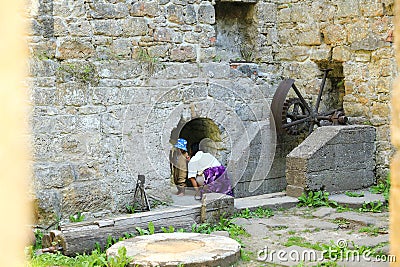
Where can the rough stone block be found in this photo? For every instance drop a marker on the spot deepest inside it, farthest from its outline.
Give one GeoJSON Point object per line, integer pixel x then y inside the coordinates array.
{"type": "Point", "coordinates": [334, 158]}
{"type": "Point", "coordinates": [206, 13]}
{"type": "Point", "coordinates": [175, 14]}
{"type": "Point", "coordinates": [42, 68]}
{"type": "Point", "coordinates": [74, 49]}
{"type": "Point", "coordinates": [184, 53]}
{"type": "Point", "coordinates": [217, 206]}
{"type": "Point", "coordinates": [294, 191]}
{"type": "Point", "coordinates": [80, 28]}
{"type": "Point", "coordinates": [341, 53]}
{"type": "Point", "coordinates": [348, 8]}
{"type": "Point", "coordinates": [134, 27]}
{"type": "Point", "coordinates": [163, 34]}
{"type": "Point", "coordinates": [144, 8]}
{"type": "Point", "coordinates": [334, 34]}
{"type": "Point", "coordinates": [85, 196]}
{"type": "Point", "coordinates": [190, 14]}
{"type": "Point", "coordinates": [107, 27]}
{"type": "Point", "coordinates": [108, 11]}
{"type": "Point", "coordinates": [53, 176]}
{"type": "Point", "coordinates": [266, 12]}
{"type": "Point", "coordinates": [47, 206]}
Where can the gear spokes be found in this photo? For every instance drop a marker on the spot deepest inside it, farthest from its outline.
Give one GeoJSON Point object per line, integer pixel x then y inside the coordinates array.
{"type": "Point", "coordinates": [292, 111]}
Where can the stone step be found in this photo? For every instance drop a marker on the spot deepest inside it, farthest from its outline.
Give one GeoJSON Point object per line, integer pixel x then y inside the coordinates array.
{"type": "Point", "coordinates": [273, 201]}
{"type": "Point", "coordinates": [357, 202]}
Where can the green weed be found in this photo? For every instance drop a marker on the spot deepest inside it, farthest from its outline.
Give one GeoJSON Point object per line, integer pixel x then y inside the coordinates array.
{"type": "Point", "coordinates": [96, 258]}
{"type": "Point", "coordinates": [375, 206]}
{"type": "Point", "coordinates": [245, 255]}
{"type": "Point", "coordinates": [354, 194]}
{"type": "Point", "coordinates": [79, 217]}
{"type": "Point", "coordinates": [130, 209]}
{"type": "Point", "coordinates": [223, 225]}
{"type": "Point", "coordinates": [78, 71]}
{"type": "Point", "coordinates": [371, 230]}
{"type": "Point", "coordinates": [316, 199]}
{"type": "Point", "coordinates": [150, 231]}
{"type": "Point", "coordinates": [300, 241]}
{"type": "Point", "coordinates": [341, 222]}
{"type": "Point", "coordinates": [38, 239]}
{"type": "Point", "coordinates": [382, 188]}
{"type": "Point", "coordinates": [258, 213]}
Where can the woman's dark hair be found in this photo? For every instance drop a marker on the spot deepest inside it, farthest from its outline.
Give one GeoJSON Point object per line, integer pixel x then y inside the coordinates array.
{"type": "Point", "coordinates": [194, 149]}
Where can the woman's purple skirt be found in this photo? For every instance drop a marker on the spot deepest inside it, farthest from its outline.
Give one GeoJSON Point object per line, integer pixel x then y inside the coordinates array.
{"type": "Point", "coordinates": [217, 181]}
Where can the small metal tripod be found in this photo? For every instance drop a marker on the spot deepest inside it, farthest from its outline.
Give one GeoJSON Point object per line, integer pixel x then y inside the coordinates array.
{"type": "Point", "coordinates": [140, 200]}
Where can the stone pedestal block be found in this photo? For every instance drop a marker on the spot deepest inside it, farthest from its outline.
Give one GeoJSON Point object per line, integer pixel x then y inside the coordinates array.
{"type": "Point", "coordinates": [333, 158]}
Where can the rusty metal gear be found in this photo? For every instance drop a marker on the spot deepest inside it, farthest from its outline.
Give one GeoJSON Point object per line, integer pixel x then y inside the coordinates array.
{"type": "Point", "coordinates": [295, 116]}
{"type": "Point", "coordinates": [293, 110]}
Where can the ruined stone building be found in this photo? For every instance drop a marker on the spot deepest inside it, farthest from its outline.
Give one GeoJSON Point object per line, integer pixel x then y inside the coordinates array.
{"type": "Point", "coordinates": [115, 82]}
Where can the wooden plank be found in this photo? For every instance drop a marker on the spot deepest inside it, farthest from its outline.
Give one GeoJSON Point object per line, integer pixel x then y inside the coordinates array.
{"type": "Point", "coordinates": [83, 239]}
{"type": "Point", "coordinates": [105, 223]}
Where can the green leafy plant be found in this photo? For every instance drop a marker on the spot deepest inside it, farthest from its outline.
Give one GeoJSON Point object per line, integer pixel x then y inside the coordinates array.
{"type": "Point", "coordinates": [217, 58]}
{"type": "Point", "coordinates": [142, 231]}
{"type": "Point", "coordinates": [224, 224]}
{"type": "Point", "coordinates": [170, 229]}
{"type": "Point", "coordinates": [38, 239]}
{"type": "Point", "coordinates": [95, 259]}
{"type": "Point", "coordinates": [156, 203]}
{"type": "Point", "coordinates": [301, 242]}
{"type": "Point", "coordinates": [327, 264]}
{"type": "Point", "coordinates": [354, 194]}
{"type": "Point", "coordinates": [341, 208]}
{"type": "Point", "coordinates": [110, 241]}
{"type": "Point", "coordinates": [341, 222]}
{"type": "Point", "coordinates": [246, 51]}
{"type": "Point", "coordinates": [142, 55]}
{"type": "Point", "coordinates": [150, 231]}
{"type": "Point", "coordinates": [79, 217]}
{"type": "Point", "coordinates": [245, 255]}
{"type": "Point", "coordinates": [120, 260]}
{"type": "Point", "coordinates": [130, 209]}
{"type": "Point", "coordinates": [258, 213]}
{"type": "Point", "coordinates": [372, 230]}
{"type": "Point", "coordinates": [151, 228]}
{"type": "Point", "coordinates": [80, 72]}
{"type": "Point", "coordinates": [374, 206]}
{"type": "Point", "coordinates": [316, 199]}
{"type": "Point", "coordinates": [383, 187]}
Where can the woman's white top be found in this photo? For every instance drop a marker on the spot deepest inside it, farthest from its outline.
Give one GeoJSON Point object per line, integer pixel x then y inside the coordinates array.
{"type": "Point", "coordinates": [200, 162]}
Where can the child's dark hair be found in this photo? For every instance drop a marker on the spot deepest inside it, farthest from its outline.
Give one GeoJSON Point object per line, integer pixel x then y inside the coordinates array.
{"type": "Point", "coordinates": [194, 148]}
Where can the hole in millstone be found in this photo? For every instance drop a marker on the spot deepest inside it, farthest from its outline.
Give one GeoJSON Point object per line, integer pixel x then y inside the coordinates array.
{"type": "Point", "coordinates": [174, 246]}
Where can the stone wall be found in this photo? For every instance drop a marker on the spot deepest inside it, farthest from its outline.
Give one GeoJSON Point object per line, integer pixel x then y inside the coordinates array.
{"type": "Point", "coordinates": [111, 80]}
{"type": "Point", "coordinates": [351, 38]}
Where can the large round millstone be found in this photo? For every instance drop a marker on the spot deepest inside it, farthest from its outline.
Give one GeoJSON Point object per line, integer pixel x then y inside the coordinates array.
{"type": "Point", "coordinates": [172, 249]}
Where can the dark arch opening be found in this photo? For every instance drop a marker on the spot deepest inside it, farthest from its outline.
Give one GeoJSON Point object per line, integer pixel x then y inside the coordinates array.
{"type": "Point", "coordinates": [198, 129]}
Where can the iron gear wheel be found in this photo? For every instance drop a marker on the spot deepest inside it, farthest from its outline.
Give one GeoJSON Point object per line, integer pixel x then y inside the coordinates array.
{"type": "Point", "coordinates": [292, 110]}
